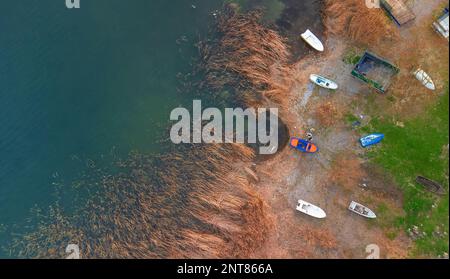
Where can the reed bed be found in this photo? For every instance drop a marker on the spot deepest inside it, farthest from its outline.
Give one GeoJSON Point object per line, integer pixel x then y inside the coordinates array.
{"type": "Point", "coordinates": [195, 201]}
{"type": "Point", "coordinates": [248, 57]}
{"type": "Point", "coordinates": [352, 19]}
{"type": "Point", "coordinates": [188, 204]}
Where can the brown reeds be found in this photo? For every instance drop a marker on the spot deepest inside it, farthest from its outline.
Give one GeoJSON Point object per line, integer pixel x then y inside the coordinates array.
{"type": "Point", "coordinates": [247, 56]}
{"type": "Point", "coordinates": [187, 204]}
{"type": "Point", "coordinates": [351, 18]}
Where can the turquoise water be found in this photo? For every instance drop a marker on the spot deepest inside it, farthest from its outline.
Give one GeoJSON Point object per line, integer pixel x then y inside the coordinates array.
{"type": "Point", "coordinates": [78, 86]}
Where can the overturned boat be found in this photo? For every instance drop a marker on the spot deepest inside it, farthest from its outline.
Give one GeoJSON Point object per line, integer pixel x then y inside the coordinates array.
{"type": "Point", "coordinates": [431, 186]}
{"type": "Point", "coordinates": [424, 78]}
{"type": "Point", "coordinates": [312, 40]}
{"type": "Point", "coordinates": [323, 82]}
{"type": "Point", "coordinates": [371, 139]}
{"type": "Point", "coordinates": [310, 209]}
{"type": "Point", "coordinates": [361, 210]}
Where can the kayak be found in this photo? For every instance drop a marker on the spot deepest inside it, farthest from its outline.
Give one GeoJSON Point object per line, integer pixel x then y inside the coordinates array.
{"type": "Point", "coordinates": [361, 210]}
{"type": "Point", "coordinates": [303, 145]}
{"type": "Point", "coordinates": [312, 40]}
{"type": "Point", "coordinates": [323, 82]}
{"type": "Point", "coordinates": [424, 78]}
{"type": "Point", "coordinates": [431, 185]}
{"type": "Point", "coordinates": [371, 139]}
{"type": "Point", "coordinates": [311, 209]}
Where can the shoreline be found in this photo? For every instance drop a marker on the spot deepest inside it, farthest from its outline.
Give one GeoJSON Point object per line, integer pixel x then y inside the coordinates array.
{"type": "Point", "coordinates": [220, 201]}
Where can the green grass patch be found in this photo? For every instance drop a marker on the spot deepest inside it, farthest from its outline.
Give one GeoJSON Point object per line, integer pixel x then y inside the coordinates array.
{"type": "Point", "coordinates": [350, 118]}
{"type": "Point", "coordinates": [418, 149]}
{"type": "Point", "coordinates": [351, 57]}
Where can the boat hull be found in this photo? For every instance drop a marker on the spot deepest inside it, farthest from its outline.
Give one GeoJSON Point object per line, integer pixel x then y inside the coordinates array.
{"type": "Point", "coordinates": [323, 82]}
{"type": "Point", "coordinates": [425, 79]}
{"type": "Point", "coordinates": [431, 186]}
{"type": "Point", "coordinates": [312, 40]}
{"type": "Point", "coordinates": [361, 210]}
{"type": "Point", "coordinates": [303, 145]}
{"type": "Point", "coordinates": [311, 209]}
{"type": "Point", "coordinates": [371, 139]}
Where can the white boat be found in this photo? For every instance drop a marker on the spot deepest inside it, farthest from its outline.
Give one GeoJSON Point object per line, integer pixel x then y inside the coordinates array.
{"type": "Point", "coordinates": [312, 40]}
{"type": "Point", "coordinates": [361, 210]}
{"type": "Point", "coordinates": [311, 209]}
{"type": "Point", "coordinates": [323, 82]}
{"type": "Point", "coordinates": [425, 79]}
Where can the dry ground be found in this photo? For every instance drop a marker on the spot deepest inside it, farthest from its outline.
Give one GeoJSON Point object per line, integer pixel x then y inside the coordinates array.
{"type": "Point", "coordinates": [334, 177]}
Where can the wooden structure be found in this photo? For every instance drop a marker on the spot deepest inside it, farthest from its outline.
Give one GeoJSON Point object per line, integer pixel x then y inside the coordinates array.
{"type": "Point", "coordinates": [441, 25]}
{"type": "Point", "coordinates": [398, 10]}
{"type": "Point", "coordinates": [375, 71]}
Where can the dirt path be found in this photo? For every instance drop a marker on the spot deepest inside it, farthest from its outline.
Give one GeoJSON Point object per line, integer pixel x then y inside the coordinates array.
{"type": "Point", "coordinates": [332, 178]}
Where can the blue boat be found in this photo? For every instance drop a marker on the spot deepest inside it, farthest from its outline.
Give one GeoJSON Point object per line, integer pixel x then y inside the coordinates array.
{"type": "Point", "coordinates": [303, 145]}
{"type": "Point", "coordinates": [371, 139]}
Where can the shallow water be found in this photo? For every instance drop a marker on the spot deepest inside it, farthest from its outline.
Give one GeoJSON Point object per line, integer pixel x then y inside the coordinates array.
{"type": "Point", "coordinates": [84, 84]}
{"type": "Point", "coordinates": [292, 18]}
{"type": "Point", "coordinates": [79, 88]}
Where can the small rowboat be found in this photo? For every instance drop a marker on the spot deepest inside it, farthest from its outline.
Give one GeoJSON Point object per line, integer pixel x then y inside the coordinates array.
{"type": "Point", "coordinates": [323, 82]}
{"type": "Point", "coordinates": [371, 139]}
{"type": "Point", "coordinates": [424, 78]}
{"type": "Point", "coordinates": [303, 145]}
{"type": "Point", "coordinates": [361, 210]}
{"type": "Point", "coordinates": [431, 185]}
{"type": "Point", "coordinates": [312, 40]}
{"type": "Point", "coordinates": [311, 209]}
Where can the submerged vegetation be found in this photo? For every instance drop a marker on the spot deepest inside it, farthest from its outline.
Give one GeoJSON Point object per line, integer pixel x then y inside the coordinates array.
{"type": "Point", "coordinates": [248, 57]}
{"type": "Point", "coordinates": [192, 202]}
{"type": "Point", "coordinates": [199, 201]}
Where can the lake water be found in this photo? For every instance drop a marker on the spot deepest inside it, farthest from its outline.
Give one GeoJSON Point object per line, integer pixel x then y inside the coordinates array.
{"type": "Point", "coordinates": [77, 85]}
{"type": "Point", "coordinates": [81, 86]}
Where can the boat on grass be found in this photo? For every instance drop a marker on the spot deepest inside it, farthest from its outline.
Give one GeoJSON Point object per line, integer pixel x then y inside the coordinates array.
{"type": "Point", "coordinates": [361, 210]}
{"type": "Point", "coordinates": [303, 145]}
{"type": "Point", "coordinates": [431, 186]}
{"type": "Point", "coordinates": [371, 139]}
{"type": "Point", "coordinates": [424, 78]}
{"type": "Point", "coordinates": [311, 209]}
{"type": "Point", "coordinates": [323, 82]}
{"type": "Point", "coordinates": [312, 40]}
